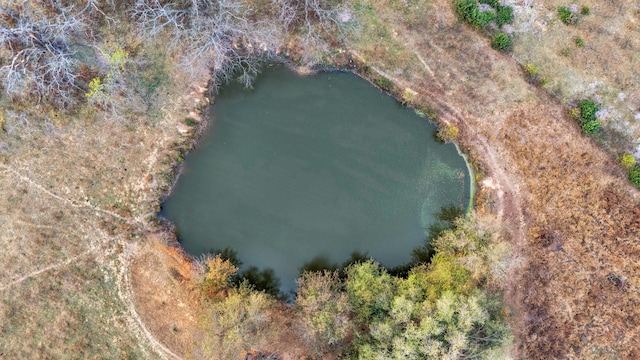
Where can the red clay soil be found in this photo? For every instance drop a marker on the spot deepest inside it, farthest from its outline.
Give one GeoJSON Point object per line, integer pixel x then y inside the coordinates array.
{"type": "Point", "coordinates": [164, 297]}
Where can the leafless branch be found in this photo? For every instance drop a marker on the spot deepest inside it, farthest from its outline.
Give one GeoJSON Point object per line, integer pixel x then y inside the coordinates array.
{"type": "Point", "coordinates": [38, 46]}
{"type": "Point", "coordinates": [217, 35]}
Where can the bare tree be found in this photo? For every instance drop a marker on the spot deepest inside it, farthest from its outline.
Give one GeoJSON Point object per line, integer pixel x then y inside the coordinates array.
{"type": "Point", "coordinates": [37, 40]}
{"type": "Point", "coordinates": [318, 22]}
{"type": "Point", "coordinates": [226, 36]}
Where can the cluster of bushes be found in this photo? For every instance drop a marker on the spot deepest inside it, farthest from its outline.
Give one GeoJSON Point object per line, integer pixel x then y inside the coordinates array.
{"type": "Point", "coordinates": [439, 308]}
{"type": "Point", "coordinates": [498, 15]}
{"type": "Point", "coordinates": [570, 15]}
{"type": "Point", "coordinates": [585, 114]}
{"type": "Point", "coordinates": [501, 41]}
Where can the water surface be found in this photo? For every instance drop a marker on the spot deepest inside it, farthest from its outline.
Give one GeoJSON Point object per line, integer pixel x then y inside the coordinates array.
{"type": "Point", "coordinates": [322, 165]}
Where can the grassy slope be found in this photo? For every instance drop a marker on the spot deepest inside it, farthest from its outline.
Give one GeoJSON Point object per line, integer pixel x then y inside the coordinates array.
{"type": "Point", "coordinates": [58, 292]}
{"type": "Point", "coordinates": [605, 68]}
{"type": "Point", "coordinates": [566, 206]}
{"type": "Point", "coordinates": [78, 190]}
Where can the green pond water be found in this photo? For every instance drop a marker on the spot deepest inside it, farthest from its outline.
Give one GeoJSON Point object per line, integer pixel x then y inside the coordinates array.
{"type": "Point", "coordinates": [322, 165]}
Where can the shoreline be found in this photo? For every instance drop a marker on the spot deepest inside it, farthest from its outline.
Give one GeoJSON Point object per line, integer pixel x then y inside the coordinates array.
{"type": "Point", "coordinates": [191, 141]}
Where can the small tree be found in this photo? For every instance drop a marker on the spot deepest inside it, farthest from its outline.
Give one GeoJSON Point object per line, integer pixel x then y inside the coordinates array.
{"type": "Point", "coordinates": [370, 290]}
{"type": "Point", "coordinates": [324, 309]}
{"type": "Point", "coordinates": [235, 324]}
{"type": "Point", "coordinates": [567, 16]}
{"type": "Point", "coordinates": [504, 15]}
{"type": "Point", "coordinates": [469, 12]}
{"type": "Point", "coordinates": [218, 277]}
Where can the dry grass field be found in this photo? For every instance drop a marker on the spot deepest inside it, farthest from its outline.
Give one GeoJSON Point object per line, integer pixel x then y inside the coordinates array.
{"type": "Point", "coordinates": [78, 193]}
{"type": "Point", "coordinates": [596, 58]}
{"type": "Point", "coordinates": [83, 275]}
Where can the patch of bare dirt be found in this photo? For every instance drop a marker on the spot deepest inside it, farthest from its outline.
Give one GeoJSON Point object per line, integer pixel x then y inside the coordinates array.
{"type": "Point", "coordinates": [164, 296]}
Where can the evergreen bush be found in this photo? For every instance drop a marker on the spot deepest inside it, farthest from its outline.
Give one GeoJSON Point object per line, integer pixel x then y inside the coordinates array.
{"type": "Point", "coordinates": [504, 15]}
{"type": "Point", "coordinates": [588, 121]}
{"type": "Point", "coordinates": [567, 16]}
{"type": "Point", "coordinates": [501, 41]}
{"type": "Point", "coordinates": [634, 176]}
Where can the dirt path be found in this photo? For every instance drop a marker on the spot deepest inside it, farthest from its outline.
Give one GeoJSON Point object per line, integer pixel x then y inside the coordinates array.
{"type": "Point", "coordinates": [44, 269]}
{"type": "Point", "coordinates": [65, 200]}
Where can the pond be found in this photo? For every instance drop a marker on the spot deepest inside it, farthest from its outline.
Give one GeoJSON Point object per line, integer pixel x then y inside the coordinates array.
{"type": "Point", "coordinates": [322, 165]}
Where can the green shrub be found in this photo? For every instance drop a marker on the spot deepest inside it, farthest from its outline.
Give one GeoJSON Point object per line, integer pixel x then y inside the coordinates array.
{"type": "Point", "coordinates": [579, 42]}
{"type": "Point", "coordinates": [384, 84]}
{"type": "Point", "coordinates": [501, 41]}
{"type": "Point", "coordinates": [447, 133]}
{"type": "Point", "coordinates": [634, 176]}
{"type": "Point", "coordinates": [483, 18]}
{"type": "Point", "coordinates": [591, 127]}
{"type": "Point", "coordinates": [566, 16]}
{"type": "Point", "coordinates": [628, 161]}
{"type": "Point", "coordinates": [504, 15]}
{"type": "Point", "coordinates": [492, 3]}
{"type": "Point", "coordinates": [585, 10]}
{"type": "Point", "coordinates": [588, 110]}
{"type": "Point", "coordinates": [470, 13]}
{"type": "Point", "coordinates": [190, 121]}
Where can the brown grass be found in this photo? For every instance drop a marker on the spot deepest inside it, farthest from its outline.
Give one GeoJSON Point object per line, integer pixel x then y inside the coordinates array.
{"type": "Point", "coordinates": [78, 191]}
{"type": "Point", "coordinates": [605, 68]}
